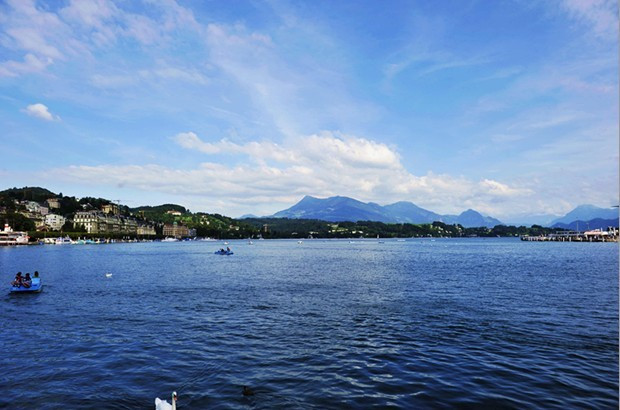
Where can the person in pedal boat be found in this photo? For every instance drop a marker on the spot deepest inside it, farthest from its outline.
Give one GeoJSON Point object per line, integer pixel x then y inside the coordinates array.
{"type": "Point", "coordinates": [27, 282]}
{"type": "Point", "coordinates": [18, 280]}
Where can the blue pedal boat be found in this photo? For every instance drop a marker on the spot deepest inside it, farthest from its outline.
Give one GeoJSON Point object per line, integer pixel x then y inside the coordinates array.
{"type": "Point", "coordinates": [36, 287]}
{"type": "Point", "coordinates": [220, 252]}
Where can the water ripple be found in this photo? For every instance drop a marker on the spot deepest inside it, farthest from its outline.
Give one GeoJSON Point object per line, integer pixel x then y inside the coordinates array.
{"type": "Point", "coordinates": [452, 323]}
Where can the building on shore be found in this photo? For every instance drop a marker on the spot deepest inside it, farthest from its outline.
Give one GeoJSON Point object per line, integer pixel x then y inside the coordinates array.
{"type": "Point", "coordinates": [145, 230]}
{"type": "Point", "coordinates": [98, 222]}
{"type": "Point", "coordinates": [92, 221]}
{"type": "Point", "coordinates": [176, 230]}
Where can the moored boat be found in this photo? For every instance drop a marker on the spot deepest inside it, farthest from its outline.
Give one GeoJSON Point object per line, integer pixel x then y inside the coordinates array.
{"type": "Point", "coordinates": [63, 240]}
{"type": "Point", "coordinates": [10, 237]}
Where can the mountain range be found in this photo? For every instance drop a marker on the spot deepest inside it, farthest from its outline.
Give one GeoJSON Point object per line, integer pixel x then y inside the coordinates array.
{"type": "Point", "coordinates": [585, 213]}
{"type": "Point", "coordinates": [340, 208]}
{"type": "Point", "coordinates": [580, 225]}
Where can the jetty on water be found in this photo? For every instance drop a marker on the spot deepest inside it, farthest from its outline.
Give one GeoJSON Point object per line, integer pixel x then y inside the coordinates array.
{"type": "Point", "coordinates": [596, 235]}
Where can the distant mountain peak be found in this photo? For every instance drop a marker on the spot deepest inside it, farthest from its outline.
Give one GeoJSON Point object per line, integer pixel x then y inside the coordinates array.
{"type": "Point", "coordinates": [586, 212]}
{"type": "Point", "coordinates": [342, 208]}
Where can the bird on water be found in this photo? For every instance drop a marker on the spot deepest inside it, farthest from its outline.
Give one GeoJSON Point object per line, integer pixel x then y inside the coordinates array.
{"type": "Point", "coordinates": [164, 405]}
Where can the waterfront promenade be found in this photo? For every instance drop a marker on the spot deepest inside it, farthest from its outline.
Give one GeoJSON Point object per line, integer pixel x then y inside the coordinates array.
{"type": "Point", "coordinates": [598, 235]}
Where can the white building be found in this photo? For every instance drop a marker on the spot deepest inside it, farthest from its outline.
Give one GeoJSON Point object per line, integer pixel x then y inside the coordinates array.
{"type": "Point", "coordinates": [54, 221]}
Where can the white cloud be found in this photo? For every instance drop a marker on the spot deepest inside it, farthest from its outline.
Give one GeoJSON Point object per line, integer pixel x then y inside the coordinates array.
{"type": "Point", "coordinates": [274, 176]}
{"type": "Point", "coordinates": [327, 149]}
{"type": "Point", "coordinates": [39, 110]}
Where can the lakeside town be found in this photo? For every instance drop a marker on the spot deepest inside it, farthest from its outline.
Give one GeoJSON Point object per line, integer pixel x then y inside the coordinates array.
{"type": "Point", "coordinates": [54, 218]}
{"type": "Point", "coordinates": [107, 220]}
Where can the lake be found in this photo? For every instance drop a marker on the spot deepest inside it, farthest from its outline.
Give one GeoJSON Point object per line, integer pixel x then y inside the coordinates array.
{"type": "Point", "coordinates": [323, 324]}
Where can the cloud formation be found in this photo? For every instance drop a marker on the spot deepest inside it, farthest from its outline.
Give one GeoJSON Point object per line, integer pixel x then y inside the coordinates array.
{"type": "Point", "coordinates": [40, 111]}
{"type": "Point", "coordinates": [270, 177]}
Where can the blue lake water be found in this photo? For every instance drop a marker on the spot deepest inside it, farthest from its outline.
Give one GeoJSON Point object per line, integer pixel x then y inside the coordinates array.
{"type": "Point", "coordinates": [323, 324]}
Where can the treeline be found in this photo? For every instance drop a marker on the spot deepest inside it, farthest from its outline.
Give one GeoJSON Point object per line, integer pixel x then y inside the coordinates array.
{"type": "Point", "coordinates": [304, 228]}
{"type": "Point", "coordinates": [223, 227]}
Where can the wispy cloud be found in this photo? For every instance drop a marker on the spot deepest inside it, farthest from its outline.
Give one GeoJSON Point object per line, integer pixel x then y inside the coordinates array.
{"type": "Point", "coordinates": [601, 15]}
{"type": "Point", "coordinates": [81, 28]}
{"type": "Point", "coordinates": [30, 64]}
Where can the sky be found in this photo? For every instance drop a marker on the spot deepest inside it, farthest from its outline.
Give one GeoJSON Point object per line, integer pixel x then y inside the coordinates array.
{"type": "Point", "coordinates": [506, 107]}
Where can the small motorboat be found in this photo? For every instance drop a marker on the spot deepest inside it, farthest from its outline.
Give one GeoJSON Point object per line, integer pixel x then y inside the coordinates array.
{"type": "Point", "coordinates": [224, 252]}
{"type": "Point", "coordinates": [36, 287]}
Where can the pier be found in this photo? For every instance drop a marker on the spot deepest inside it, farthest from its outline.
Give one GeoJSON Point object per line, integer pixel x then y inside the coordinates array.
{"type": "Point", "coordinates": [597, 235]}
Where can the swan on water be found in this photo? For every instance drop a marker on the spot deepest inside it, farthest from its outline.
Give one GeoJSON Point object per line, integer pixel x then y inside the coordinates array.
{"type": "Point", "coordinates": [164, 405]}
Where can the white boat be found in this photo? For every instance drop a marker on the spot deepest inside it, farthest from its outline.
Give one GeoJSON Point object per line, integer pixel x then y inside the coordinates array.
{"type": "Point", "coordinates": [10, 237]}
{"type": "Point", "coordinates": [63, 241]}
{"type": "Point", "coordinates": [169, 239]}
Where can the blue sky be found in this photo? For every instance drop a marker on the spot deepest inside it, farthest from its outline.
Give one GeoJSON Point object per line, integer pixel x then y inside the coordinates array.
{"type": "Point", "coordinates": [507, 107]}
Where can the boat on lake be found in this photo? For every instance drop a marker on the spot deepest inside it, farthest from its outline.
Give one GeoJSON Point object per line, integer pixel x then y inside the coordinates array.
{"type": "Point", "coordinates": [224, 252]}
{"type": "Point", "coordinates": [10, 237]}
{"type": "Point", "coordinates": [35, 287]}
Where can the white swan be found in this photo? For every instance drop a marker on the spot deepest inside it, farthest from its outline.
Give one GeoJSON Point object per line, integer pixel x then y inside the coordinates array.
{"type": "Point", "coordinates": [164, 405]}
